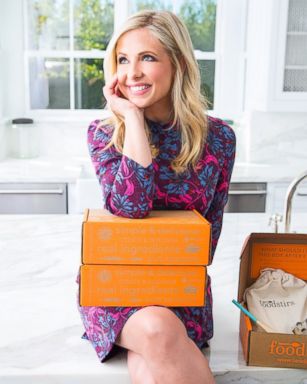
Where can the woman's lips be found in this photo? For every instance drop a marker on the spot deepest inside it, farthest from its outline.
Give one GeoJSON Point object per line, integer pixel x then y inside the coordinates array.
{"type": "Point", "coordinates": [139, 90]}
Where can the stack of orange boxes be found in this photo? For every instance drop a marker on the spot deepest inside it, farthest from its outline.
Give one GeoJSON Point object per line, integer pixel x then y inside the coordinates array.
{"type": "Point", "coordinates": [158, 260]}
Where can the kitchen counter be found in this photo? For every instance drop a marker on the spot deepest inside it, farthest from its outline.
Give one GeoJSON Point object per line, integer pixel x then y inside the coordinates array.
{"type": "Point", "coordinates": [41, 328]}
{"type": "Point", "coordinates": [45, 169]}
{"type": "Point", "coordinates": [41, 169]}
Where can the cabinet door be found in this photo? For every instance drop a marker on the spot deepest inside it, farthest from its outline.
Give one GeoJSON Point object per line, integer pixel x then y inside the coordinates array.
{"type": "Point", "coordinates": [276, 78]}
{"type": "Point", "coordinates": [32, 198]}
{"type": "Point", "coordinates": [291, 72]}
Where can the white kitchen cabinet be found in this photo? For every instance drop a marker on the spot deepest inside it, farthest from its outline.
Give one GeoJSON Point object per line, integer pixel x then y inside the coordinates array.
{"type": "Point", "coordinates": [276, 75]}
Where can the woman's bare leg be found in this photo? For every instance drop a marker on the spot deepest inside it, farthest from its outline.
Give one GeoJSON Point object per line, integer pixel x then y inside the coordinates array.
{"type": "Point", "coordinates": [138, 369]}
{"type": "Point", "coordinates": [161, 339]}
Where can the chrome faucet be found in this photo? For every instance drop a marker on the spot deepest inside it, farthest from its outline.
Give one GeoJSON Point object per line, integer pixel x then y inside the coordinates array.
{"type": "Point", "coordinates": [288, 200]}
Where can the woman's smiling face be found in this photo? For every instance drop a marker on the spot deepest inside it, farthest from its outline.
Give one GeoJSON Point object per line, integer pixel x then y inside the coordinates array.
{"type": "Point", "coordinates": [145, 72]}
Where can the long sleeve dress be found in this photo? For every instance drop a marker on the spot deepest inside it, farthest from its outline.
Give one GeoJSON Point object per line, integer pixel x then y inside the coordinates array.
{"type": "Point", "coordinates": [131, 190]}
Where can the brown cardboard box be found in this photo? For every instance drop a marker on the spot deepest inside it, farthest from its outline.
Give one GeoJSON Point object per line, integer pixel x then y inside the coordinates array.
{"type": "Point", "coordinates": [162, 238]}
{"type": "Point", "coordinates": [137, 285]}
{"type": "Point", "coordinates": [267, 250]}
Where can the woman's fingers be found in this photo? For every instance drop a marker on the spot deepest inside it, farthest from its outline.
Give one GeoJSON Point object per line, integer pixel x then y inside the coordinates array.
{"type": "Point", "coordinates": [109, 88]}
{"type": "Point", "coordinates": [115, 100]}
{"type": "Point", "coordinates": [113, 83]}
{"type": "Point", "coordinates": [118, 92]}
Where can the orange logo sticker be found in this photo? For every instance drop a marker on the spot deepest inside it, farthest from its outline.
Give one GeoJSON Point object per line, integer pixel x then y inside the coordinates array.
{"type": "Point", "coordinates": [289, 349]}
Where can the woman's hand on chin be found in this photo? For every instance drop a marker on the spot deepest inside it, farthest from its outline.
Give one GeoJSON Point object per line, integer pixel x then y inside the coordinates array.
{"type": "Point", "coordinates": [116, 101]}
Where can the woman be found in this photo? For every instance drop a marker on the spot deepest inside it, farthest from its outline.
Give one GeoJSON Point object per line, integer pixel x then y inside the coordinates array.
{"type": "Point", "coordinates": [159, 150]}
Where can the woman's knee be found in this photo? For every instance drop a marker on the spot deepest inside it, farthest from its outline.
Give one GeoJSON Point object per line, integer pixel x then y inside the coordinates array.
{"type": "Point", "coordinates": [163, 330]}
{"type": "Point", "coordinates": [150, 329]}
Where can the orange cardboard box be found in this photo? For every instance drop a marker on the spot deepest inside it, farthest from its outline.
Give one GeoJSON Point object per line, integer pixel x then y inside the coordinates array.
{"type": "Point", "coordinates": [163, 238]}
{"type": "Point", "coordinates": [136, 285]}
{"type": "Point", "coordinates": [267, 250]}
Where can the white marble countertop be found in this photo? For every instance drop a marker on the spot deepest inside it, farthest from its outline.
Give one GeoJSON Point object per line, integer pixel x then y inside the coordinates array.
{"type": "Point", "coordinates": [46, 169]}
{"type": "Point", "coordinates": [40, 339]}
{"type": "Point", "coordinates": [41, 169]}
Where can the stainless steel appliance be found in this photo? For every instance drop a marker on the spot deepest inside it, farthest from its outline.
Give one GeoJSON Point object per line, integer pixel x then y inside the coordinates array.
{"type": "Point", "coordinates": [31, 198]}
{"type": "Point", "coordinates": [246, 197]}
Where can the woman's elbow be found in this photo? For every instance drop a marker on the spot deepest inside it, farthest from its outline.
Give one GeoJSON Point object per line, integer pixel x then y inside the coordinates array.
{"type": "Point", "coordinates": [128, 211]}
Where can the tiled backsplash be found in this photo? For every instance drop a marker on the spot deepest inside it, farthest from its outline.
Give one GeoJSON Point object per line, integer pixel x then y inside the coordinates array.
{"type": "Point", "coordinates": [57, 139]}
{"type": "Point", "coordinates": [278, 137]}
{"type": "Point", "coordinates": [67, 139]}
{"type": "Point", "coordinates": [261, 138]}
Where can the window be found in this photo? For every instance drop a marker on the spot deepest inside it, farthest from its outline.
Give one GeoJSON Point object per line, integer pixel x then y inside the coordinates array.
{"type": "Point", "coordinates": [66, 42]}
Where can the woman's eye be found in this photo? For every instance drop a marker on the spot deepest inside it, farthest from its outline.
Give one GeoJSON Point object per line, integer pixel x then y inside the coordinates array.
{"type": "Point", "coordinates": [151, 58]}
{"type": "Point", "coordinates": [121, 60]}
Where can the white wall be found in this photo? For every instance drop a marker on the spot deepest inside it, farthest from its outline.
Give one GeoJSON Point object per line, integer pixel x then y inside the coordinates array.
{"type": "Point", "coordinates": [230, 65]}
{"type": "Point", "coordinates": [12, 66]}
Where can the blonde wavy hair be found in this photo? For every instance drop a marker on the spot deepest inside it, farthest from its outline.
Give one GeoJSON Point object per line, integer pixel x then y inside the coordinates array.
{"type": "Point", "coordinates": [189, 104]}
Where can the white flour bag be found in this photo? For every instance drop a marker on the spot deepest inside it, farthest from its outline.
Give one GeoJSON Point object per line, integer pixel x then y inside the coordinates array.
{"type": "Point", "coordinates": [277, 299]}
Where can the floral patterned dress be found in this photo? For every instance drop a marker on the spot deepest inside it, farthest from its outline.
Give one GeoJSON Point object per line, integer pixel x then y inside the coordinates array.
{"type": "Point", "coordinates": [131, 190]}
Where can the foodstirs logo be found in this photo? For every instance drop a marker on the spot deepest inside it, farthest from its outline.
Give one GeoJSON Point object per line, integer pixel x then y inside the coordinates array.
{"type": "Point", "coordinates": [276, 303]}
{"type": "Point", "coordinates": [289, 349]}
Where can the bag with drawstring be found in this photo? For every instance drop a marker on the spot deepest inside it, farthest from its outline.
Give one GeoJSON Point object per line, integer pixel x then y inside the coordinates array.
{"type": "Point", "coordinates": [277, 299]}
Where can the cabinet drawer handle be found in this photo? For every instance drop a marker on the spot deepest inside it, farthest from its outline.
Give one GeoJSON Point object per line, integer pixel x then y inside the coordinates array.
{"type": "Point", "coordinates": [301, 194]}
{"type": "Point", "coordinates": [245, 192]}
{"type": "Point", "coordinates": [31, 191]}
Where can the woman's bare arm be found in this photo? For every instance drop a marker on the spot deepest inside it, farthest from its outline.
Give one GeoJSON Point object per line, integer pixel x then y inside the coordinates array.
{"type": "Point", "coordinates": [136, 145]}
